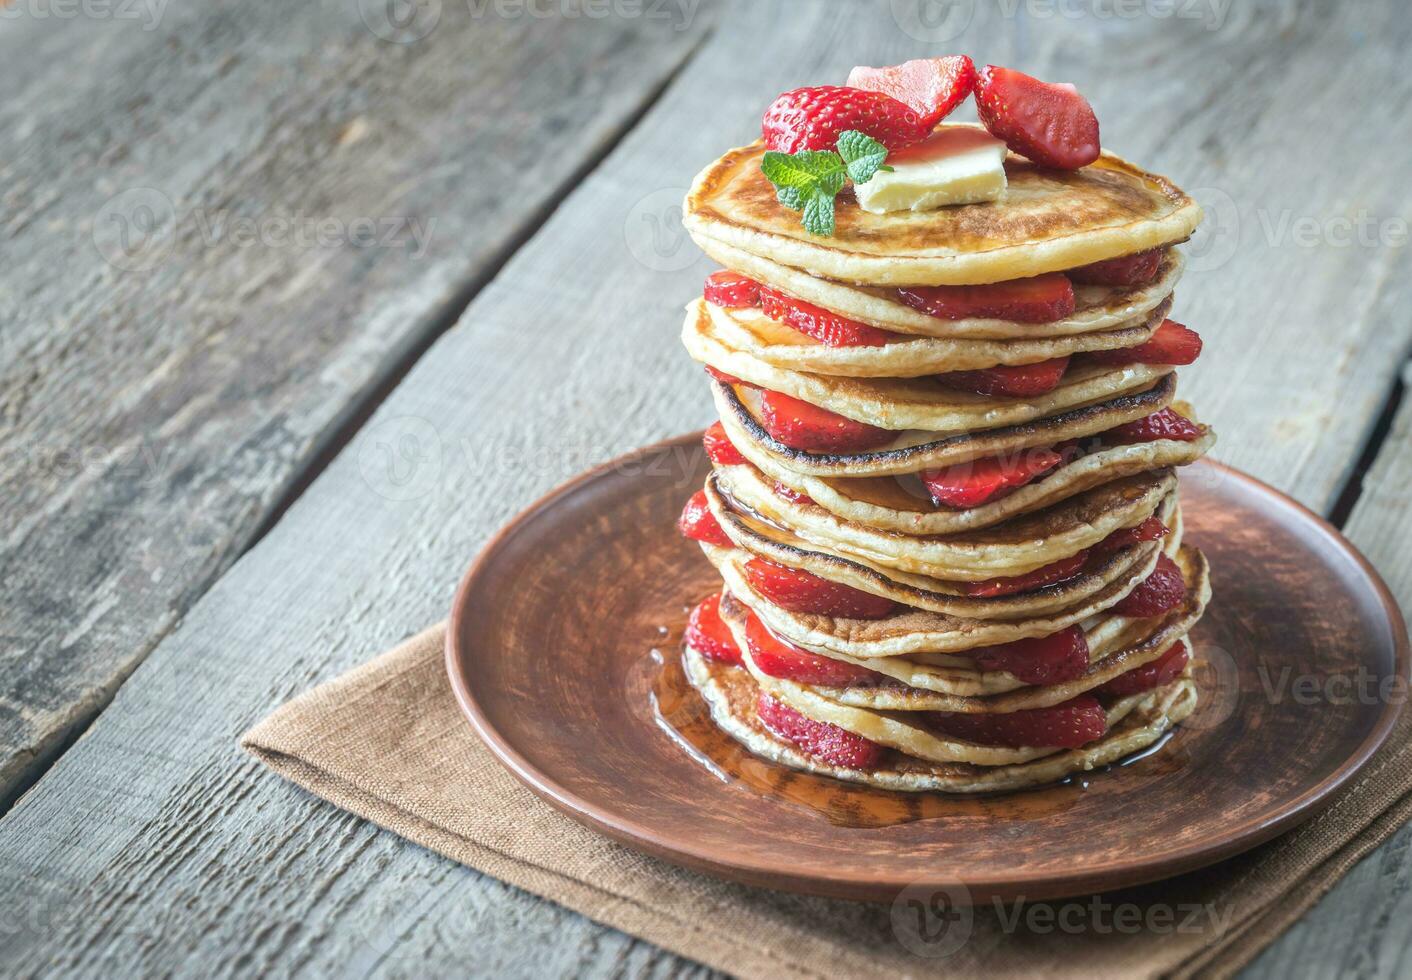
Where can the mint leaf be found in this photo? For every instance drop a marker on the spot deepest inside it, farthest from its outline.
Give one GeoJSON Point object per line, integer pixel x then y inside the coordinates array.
{"type": "Point", "coordinates": [862, 155]}
{"type": "Point", "coordinates": [804, 169]}
{"type": "Point", "coordinates": [818, 212]}
{"type": "Point", "coordinates": [790, 197]}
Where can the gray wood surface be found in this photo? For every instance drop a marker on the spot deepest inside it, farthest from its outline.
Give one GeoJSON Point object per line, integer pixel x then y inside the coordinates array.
{"type": "Point", "coordinates": [225, 226]}
{"type": "Point", "coordinates": [154, 845]}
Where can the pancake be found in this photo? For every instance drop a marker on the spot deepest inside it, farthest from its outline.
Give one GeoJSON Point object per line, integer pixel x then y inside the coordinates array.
{"type": "Point", "coordinates": [1005, 550]}
{"type": "Point", "coordinates": [1048, 221]}
{"type": "Point", "coordinates": [751, 333]}
{"type": "Point", "coordinates": [1118, 644]}
{"type": "Point", "coordinates": [903, 504]}
{"type": "Point", "coordinates": [914, 449]}
{"type": "Point", "coordinates": [1102, 583]}
{"type": "Point", "coordinates": [1095, 307]}
{"type": "Point", "coordinates": [731, 694]}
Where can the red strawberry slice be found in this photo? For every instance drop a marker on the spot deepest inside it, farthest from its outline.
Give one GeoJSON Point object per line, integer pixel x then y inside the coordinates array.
{"type": "Point", "coordinates": [1163, 670]}
{"type": "Point", "coordinates": [1064, 568]}
{"type": "Point", "coordinates": [1064, 726]}
{"type": "Point", "coordinates": [1149, 530]}
{"type": "Point", "coordinates": [708, 634]}
{"type": "Point", "coordinates": [818, 738]}
{"type": "Point", "coordinates": [699, 524]}
{"type": "Point", "coordinates": [1038, 299]}
{"type": "Point", "coordinates": [731, 290]}
{"type": "Point", "coordinates": [1015, 381]}
{"type": "Point", "coordinates": [719, 447]}
{"type": "Point", "coordinates": [1048, 659]}
{"type": "Point", "coordinates": [723, 378]}
{"type": "Point", "coordinates": [827, 328]}
{"type": "Point", "coordinates": [792, 495]}
{"type": "Point", "coordinates": [1170, 343]}
{"type": "Point", "coordinates": [1164, 424]}
{"type": "Point", "coordinates": [931, 87]}
{"type": "Point", "coordinates": [811, 119]}
{"type": "Point", "coordinates": [779, 658]}
{"type": "Point", "coordinates": [1164, 589]}
{"type": "Point", "coordinates": [801, 425]}
{"type": "Point", "coordinates": [977, 481]}
{"type": "Point", "coordinates": [804, 592]}
{"type": "Point", "coordinates": [1126, 270]}
{"type": "Point", "coordinates": [1052, 124]}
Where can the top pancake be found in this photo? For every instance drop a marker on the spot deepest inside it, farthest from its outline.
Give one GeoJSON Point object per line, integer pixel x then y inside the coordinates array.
{"type": "Point", "coordinates": [1047, 221]}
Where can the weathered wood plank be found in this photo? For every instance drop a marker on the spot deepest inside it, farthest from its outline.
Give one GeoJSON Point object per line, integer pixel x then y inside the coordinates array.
{"type": "Point", "coordinates": [226, 225]}
{"type": "Point", "coordinates": [234, 869]}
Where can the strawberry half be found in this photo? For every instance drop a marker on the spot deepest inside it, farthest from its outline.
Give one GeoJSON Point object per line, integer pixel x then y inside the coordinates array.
{"type": "Point", "coordinates": [804, 592]}
{"type": "Point", "coordinates": [779, 658]}
{"type": "Point", "coordinates": [1064, 568]}
{"type": "Point", "coordinates": [1037, 299]}
{"type": "Point", "coordinates": [731, 290]}
{"type": "Point", "coordinates": [699, 524]}
{"type": "Point", "coordinates": [1126, 270]}
{"type": "Point", "coordinates": [827, 328]}
{"type": "Point", "coordinates": [1069, 725]}
{"type": "Point", "coordinates": [708, 634]}
{"type": "Point", "coordinates": [801, 425]}
{"type": "Point", "coordinates": [1163, 670]}
{"type": "Point", "coordinates": [1012, 381]}
{"type": "Point", "coordinates": [1164, 589]}
{"type": "Point", "coordinates": [1170, 343]}
{"type": "Point", "coordinates": [792, 495]}
{"type": "Point", "coordinates": [722, 377]}
{"type": "Point", "coordinates": [719, 447]}
{"type": "Point", "coordinates": [977, 481]}
{"type": "Point", "coordinates": [1149, 530]}
{"type": "Point", "coordinates": [1052, 124]}
{"type": "Point", "coordinates": [1164, 424]}
{"type": "Point", "coordinates": [1048, 659]}
{"type": "Point", "coordinates": [818, 738]}
{"type": "Point", "coordinates": [931, 87]}
{"type": "Point", "coordinates": [811, 119]}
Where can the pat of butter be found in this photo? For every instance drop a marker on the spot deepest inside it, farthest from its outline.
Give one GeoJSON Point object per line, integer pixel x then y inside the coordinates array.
{"type": "Point", "coordinates": [955, 165]}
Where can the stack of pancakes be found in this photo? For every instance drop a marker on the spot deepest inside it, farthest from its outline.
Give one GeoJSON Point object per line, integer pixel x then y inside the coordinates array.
{"type": "Point", "coordinates": [966, 584]}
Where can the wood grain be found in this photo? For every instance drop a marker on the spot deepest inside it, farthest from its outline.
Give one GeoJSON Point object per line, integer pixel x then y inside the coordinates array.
{"type": "Point", "coordinates": [321, 201]}
{"type": "Point", "coordinates": [154, 822]}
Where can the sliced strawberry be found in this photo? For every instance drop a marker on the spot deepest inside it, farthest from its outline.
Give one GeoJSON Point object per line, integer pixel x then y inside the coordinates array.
{"type": "Point", "coordinates": [792, 495]}
{"type": "Point", "coordinates": [977, 481]}
{"type": "Point", "coordinates": [1163, 670]}
{"type": "Point", "coordinates": [731, 290]}
{"type": "Point", "coordinates": [699, 524]}
{"type": "Point", "coordinates": [1069, 725]}
{"type": "Point", "coordinates": [1171, 343]}
{"type": "Point", "coordinates": [1052, 124]}
{"type": "Point", "coordinates": [1015, 381]}
{"type": "Point", "coordinates": [1038, 299]}
{"type": "Point", "coordinates": [780, 658]}
{"type": "Point", "coordinates": [1064, 568]}
{"type": "Point", "coordinates": [1149, 530]}
{"type": "Point", "coordinates": [804, 592]}
{"type": "Point", "coordinates": [931, 87]}
{"type": "Point", "coordinates": [818, 738]}
{"type": "Point", "coordinates": [707, 633]}
{"type": "Point", "coordinates": [811, 119]}
{"type": "Point", "coordinates": [1127, 270]}
{"type": "Point", "coordinates": [723, 378]}
{"type": "Point", "coordinates": [719, 447]}
{"type": "Point", "coordinates": [1048, 659]}
{"type": "Point", "coordinates": [1164, 424]}
{"type": "Point", "coordinates": [827, 328]}
{"type": "Point", "coordinates": [804, 426]}
{"type": "Point", "coordinates": [1164, 589]}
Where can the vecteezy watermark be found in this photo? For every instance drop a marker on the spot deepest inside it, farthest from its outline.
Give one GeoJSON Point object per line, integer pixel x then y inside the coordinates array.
{"type": "Point", "coordinates": [400, 21]}
{"type": "Point", "coordinates": [1362, 229]}
{"type": "Point", "coordinates": [654, 232]}
{"type": "Point", "coordinates": [933, 920]}
{"type": "Point", "coordinates": [680, 12]}
{"type": "Point", "coordinates": [933, 21]}
{"type": "Point", "coordinates": [136, 230]}
{"type": "Point", "coordinates": [1362, 687]}
{"type": "Point", "coordinates": [1211, 13]}
{"type": "Point", "coordinates": [147, 12]}
{"type": "Point", "coordinates": [401, 458]}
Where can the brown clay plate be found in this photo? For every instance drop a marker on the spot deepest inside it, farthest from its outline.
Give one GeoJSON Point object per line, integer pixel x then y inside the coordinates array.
{"type": "Point", "coordinates": [563, 652]}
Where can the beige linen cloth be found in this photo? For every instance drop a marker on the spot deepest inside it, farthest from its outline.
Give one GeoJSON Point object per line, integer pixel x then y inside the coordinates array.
{"type": "Point", "coordinates": [388, 742]}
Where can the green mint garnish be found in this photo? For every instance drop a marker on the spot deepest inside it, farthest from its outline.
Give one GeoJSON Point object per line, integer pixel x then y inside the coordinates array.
{"type": "Point", "coordinates": [809, 180]}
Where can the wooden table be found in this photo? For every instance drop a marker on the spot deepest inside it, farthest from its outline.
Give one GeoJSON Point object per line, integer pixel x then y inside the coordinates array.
{"type": "Point", "coordinates": [300, 302]}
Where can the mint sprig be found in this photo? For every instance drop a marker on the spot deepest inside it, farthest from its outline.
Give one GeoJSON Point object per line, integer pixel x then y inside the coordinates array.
{"type": "Point", "coordinates": [808, 180]}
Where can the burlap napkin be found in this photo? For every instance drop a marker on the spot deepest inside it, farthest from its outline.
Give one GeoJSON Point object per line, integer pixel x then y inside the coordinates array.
{"type": "Point", "coordinates": [388, 742]}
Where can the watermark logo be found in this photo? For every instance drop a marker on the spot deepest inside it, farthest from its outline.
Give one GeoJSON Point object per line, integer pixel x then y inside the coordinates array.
{"type": "Point", "coordinates": [933, 21]}
{"type": "Point", "coordinates": [134, 229]}
{"type": "Point", "coordinates": [401, 458]}
{"type": "Point", "coordinates": [147, 13]}
{"type": "Point", "coordinates": [654, 232]}
{"type": "Point", "coordinates": [400, 21]}
{"type": "Point", "coordinates": [933, 920]}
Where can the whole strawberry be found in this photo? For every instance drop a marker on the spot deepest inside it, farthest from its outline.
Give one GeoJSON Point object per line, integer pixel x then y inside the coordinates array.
{"type": "Point", "coordinates": [811, 119]}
